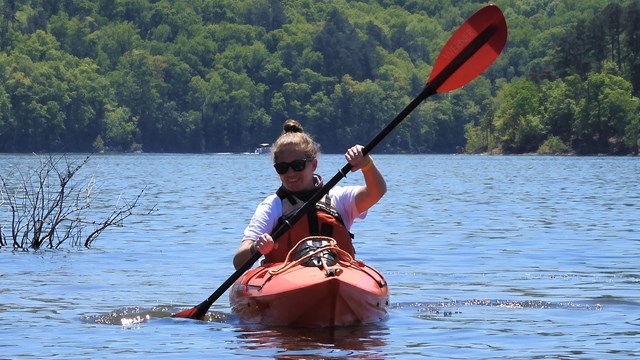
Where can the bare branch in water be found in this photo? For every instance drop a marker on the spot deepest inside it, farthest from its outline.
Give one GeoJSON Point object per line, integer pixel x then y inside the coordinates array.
{"type": "Point", "coordinates": [47, 206]}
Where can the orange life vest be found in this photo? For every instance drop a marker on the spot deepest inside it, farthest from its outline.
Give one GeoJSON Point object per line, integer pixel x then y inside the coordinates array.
{"type": "Point", "coordinates": [324, 220]}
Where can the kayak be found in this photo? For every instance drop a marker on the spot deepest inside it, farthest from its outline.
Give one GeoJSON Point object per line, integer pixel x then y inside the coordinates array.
{"type": "Point", "coordinates": [318, 285]}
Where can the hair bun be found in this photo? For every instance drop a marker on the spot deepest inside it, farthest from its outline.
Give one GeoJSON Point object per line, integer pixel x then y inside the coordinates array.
{"type": "Point", "coordinates": [292, 126]}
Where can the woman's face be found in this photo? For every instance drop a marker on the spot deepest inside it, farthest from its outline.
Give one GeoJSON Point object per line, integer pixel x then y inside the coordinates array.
{"type": "Point", "coordinates": [296, 181]}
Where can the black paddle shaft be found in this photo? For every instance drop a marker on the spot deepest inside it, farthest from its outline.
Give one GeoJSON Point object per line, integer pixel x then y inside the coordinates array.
{"type": "Point", "coordinates": [311, 203]}
{"type": "Point", "coordinates": [430, 89]}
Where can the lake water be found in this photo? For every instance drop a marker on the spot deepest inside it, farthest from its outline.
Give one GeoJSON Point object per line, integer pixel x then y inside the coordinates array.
{"type": "Point", "coordinates": [486, 257]}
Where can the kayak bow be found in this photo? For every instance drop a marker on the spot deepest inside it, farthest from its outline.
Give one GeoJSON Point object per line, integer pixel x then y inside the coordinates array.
{"type": "Point", "coordinates": [318, 285]}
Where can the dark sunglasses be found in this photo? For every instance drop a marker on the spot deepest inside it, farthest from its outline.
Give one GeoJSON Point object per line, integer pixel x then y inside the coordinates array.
{"type": "Point", "coordinates": [297, 165]}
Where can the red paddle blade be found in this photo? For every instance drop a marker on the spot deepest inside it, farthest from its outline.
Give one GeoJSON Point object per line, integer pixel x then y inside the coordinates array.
{"type": "Point", "coordinates": [192, 313]}
{"type": "Point", "coordinates": [471, 49]}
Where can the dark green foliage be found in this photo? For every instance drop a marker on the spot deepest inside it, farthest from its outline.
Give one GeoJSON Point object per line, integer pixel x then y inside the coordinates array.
{"type": "Point", "coordinates": [343, 52]}
{"type": "Point", "coordinates": [223, 75]}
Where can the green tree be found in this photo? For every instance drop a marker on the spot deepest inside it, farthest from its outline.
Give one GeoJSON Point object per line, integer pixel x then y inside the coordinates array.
{"type": "Point", "coordinates": [138, 84]}
{"type": "Point", "coordinates": [367, 112]}
{"type": "Point", "coordinates": [632, 134]}
{"type": "Point", "coordinates": [518, 128]}
{"type": "Point", "coordinates": [606, 109]}
{"type": "Point", "coordinates": [465, 107]}
{"type": "Point", "coordinates": [8, 123]}
{"type": "Point", "coordinates": [120, 129]}
{"type": "Point", "coordinates": [230, 111]}
{"type": "Point", "coordinates": [196, 51]}
{"type": "Point", "coordinates": [73, 34]}
{"type": "Point", "coordinates": [114, 40]}
{"type": "Point", "coordinates": [481, 136]}
{"type": "Point", "coordinates": [222, 75]}
{"type": "Point", "coordinates": [8, 10]}
{"type": "Point", "coordinates": [39, 93]}
{"type": "Point", "coordinates": [268, 14]}
{"type": "Point", "coordinates": [342, 49]}
{"type": "Point", "coordinates": [631, 24]}
{"type": "Point", "coordinates": [559, 108]}
{"type": "Point", "coordinates": [87, 93]}
{"type": "Point", "coordinates": [553, 146]}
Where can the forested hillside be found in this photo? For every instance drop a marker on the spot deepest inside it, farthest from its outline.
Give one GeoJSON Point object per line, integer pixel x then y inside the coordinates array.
{"type": "Point", "coordinates": [223, 75]}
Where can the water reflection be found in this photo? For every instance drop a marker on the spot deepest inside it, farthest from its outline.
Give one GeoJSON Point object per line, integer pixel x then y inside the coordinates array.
{"type": "Point", "coordinates": [365, 342]}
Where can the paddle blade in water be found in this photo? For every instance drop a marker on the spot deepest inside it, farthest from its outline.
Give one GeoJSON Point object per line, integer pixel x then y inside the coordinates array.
{"type": "Point", "coordinates": [471, 49]}
{"type": "Point", "coordinates": [192, 313]}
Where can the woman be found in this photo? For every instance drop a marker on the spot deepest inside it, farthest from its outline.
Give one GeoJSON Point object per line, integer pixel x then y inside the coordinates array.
{"type": "Point", "coordinates": [295, 157]}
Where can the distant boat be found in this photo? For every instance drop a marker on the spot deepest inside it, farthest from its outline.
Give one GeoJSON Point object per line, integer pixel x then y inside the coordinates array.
{"type": "Point", "coordinates": [263, 149]}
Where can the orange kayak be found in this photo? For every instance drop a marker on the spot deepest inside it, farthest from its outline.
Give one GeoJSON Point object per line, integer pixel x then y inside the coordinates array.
{"type": "Point", "coordinates": [318, 285]}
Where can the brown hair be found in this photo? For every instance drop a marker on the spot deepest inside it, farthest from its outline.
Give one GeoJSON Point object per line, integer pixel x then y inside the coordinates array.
{"type": "Point", "coordinates": [293, 134]}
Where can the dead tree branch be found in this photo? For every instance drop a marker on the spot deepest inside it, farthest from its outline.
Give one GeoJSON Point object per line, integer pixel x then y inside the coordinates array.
{"type": "Point", "coordinates": [48, 206]}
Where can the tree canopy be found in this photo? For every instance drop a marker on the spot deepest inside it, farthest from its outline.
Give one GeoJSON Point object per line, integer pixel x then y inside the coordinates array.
{"type": "Point", "coordinates": [223, 75]}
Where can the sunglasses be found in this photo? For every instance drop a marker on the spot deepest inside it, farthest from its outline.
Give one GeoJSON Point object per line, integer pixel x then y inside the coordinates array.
{"type": "Point", "coordinates": [296, 165]}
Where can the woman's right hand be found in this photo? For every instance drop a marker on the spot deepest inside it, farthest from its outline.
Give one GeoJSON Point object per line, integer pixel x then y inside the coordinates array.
{"type": "Point", "coordinates": [264, 244]}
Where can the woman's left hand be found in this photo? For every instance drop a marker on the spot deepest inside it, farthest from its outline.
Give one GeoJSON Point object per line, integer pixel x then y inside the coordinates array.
{"type": "Point", "coordinates": [356, 157]}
